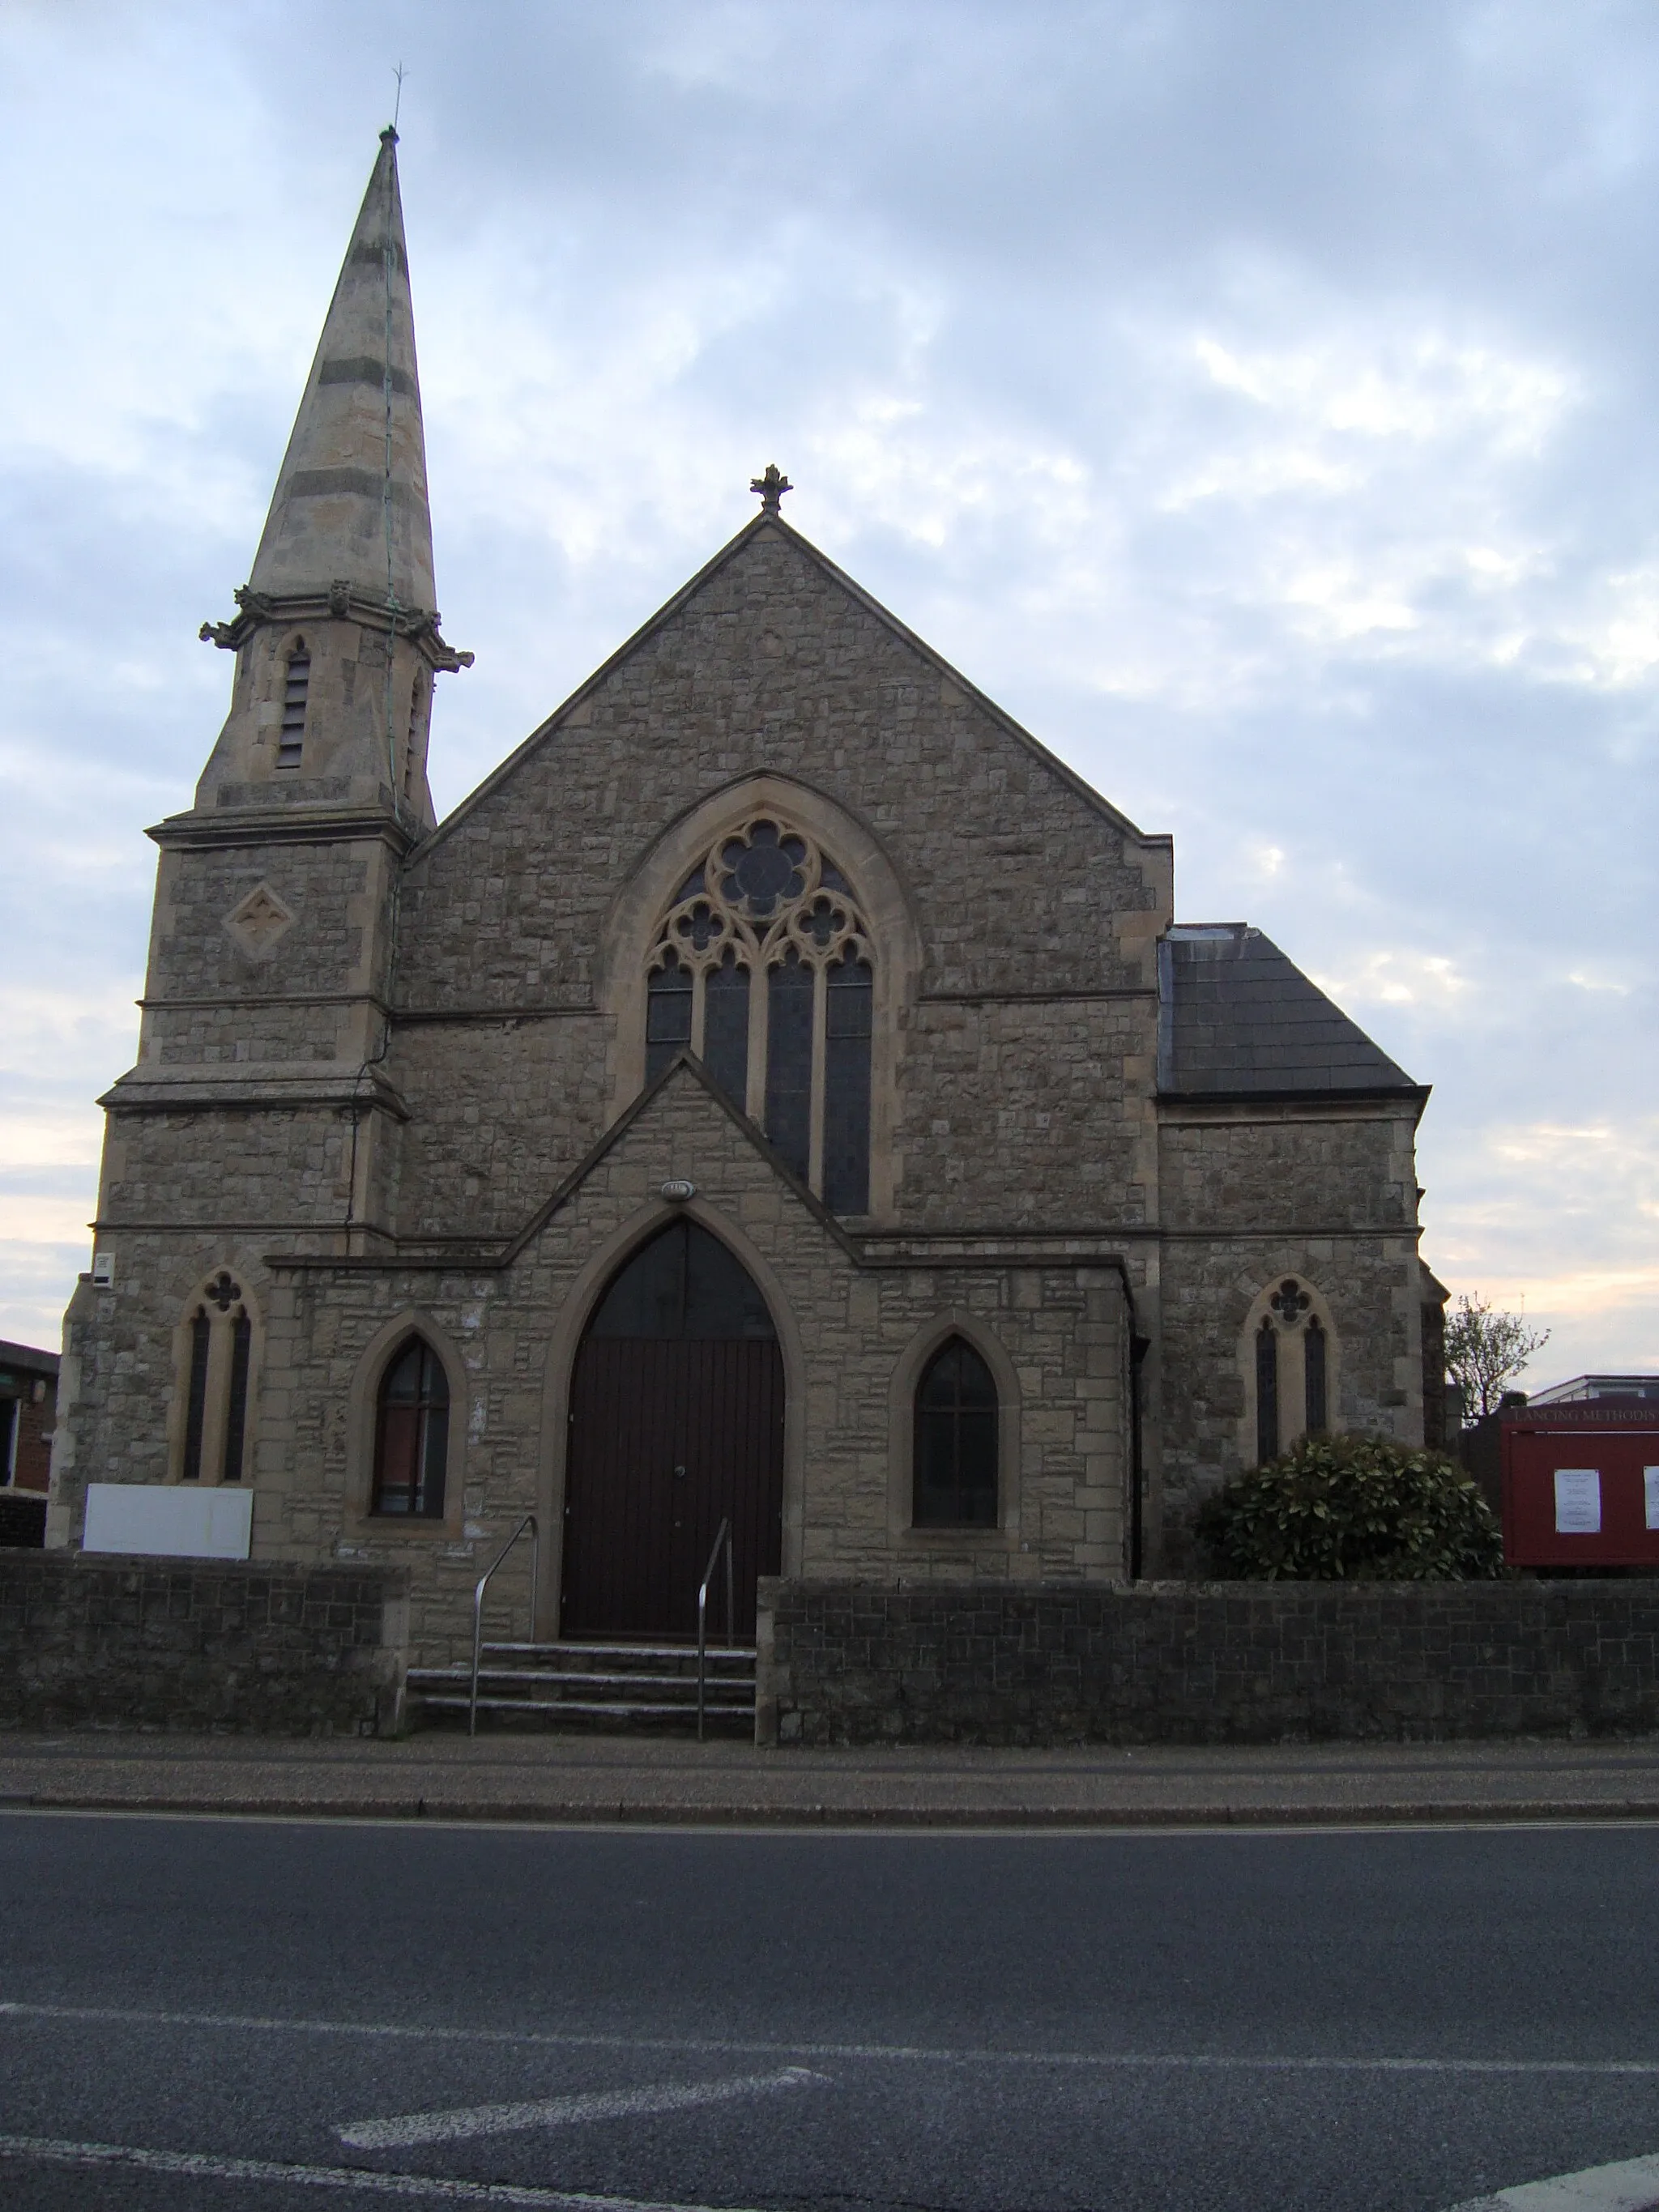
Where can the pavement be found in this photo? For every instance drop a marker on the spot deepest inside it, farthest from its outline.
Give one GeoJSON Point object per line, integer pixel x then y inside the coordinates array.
{"type": "Point", "coordinates": [442, 1775]}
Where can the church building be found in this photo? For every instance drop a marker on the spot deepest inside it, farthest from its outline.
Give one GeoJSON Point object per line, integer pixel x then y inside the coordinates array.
{"type": "Point", "coordinates": [780, 1093]}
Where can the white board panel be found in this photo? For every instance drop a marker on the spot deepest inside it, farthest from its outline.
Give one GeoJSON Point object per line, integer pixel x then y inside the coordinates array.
{"type": "Point", "coordinates": [1577, 1501]}
{"type": "Point", "coordinates": [167, 1521]}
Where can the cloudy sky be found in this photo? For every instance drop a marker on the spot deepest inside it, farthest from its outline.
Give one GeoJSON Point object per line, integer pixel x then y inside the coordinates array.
{"type": "Point", "coordinates": [1260, 400]}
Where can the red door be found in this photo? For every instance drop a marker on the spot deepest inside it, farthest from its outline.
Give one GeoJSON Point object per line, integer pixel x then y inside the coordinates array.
{"type": "Point", "coordinates": [676, 1422]}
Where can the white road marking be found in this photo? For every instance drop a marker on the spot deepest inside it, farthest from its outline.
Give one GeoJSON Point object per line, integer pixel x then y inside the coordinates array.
{"type": "Point", "coordinates": [1632, 2185]}
{"type": "Point", "coordinates": [45, 2150]}
{"type": "Point", "coordinates": [733, 2047]}
{"type": "Point", "coordinates": [564, 2112]}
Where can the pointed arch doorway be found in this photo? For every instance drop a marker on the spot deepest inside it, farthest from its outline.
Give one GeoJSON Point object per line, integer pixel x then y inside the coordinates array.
{"type": "Point", "coordinates": [677, 1405]}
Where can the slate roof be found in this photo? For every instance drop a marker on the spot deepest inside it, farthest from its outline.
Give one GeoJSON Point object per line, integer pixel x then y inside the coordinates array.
{"type": "Point", "coordinates": [1236, 1018]}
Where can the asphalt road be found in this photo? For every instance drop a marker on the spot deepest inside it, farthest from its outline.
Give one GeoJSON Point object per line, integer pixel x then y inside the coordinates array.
{"type": "Point", "coordinates": [247, 2011]}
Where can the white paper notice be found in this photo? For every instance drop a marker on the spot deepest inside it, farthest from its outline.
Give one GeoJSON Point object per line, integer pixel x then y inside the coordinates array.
{"type": "Point", "coordinates": [1577, 1501]}
{"type": "Point", "coordinates": [1650, 1491]}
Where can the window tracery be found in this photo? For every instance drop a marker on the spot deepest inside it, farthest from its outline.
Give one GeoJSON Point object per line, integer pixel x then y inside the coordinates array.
{"type": "Point", "coordinates": [763, 966]}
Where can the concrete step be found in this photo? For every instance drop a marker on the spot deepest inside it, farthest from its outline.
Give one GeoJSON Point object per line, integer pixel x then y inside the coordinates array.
{"type": "Point", "coordinates": [439, 1678]}
{"type": "Point", "coordinates": [611, 1709]}
{"type": "Point", "coordinates": [619, 1685]}
{"type": "Point", "coordinates": [737, 1652]}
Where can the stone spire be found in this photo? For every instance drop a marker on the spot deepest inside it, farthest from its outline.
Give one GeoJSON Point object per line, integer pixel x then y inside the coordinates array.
{"type": "Point", "coordinates": [350, 503]}
{"type": "Point", "coordinates": [336, 633]}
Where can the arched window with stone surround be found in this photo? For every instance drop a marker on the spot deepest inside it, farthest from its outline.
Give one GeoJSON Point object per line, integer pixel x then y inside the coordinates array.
{"type": "Point", "coordinates": [1288, 1353]}
{"type": "Point", "coordinates": [956, 1441]}
{"type": "Point", "coordinates": [763, 966]}
{"type": "Point", "coordinates": [411, 1434]}
{"type": "Point", "coordinates": [214, 1380]}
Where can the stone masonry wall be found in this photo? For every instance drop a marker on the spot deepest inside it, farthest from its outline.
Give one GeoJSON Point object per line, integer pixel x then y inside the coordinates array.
{"type": "Point", "coordinates": [484, 1145]}
{"type": "Point", "coordinates": [1020, 883]}
{"type": "Point", "coordinates": [1023, 1124]}
{"type": "Point", "coordinates": [1244, 1662]}
{"type": "Point", "coordinates": [320, 951]}
{"type": "Point", "coordinates": [93, 1641]}
{"type": "Point", "coordinates": [1061, 1328]}
{"type": "Point", "coordinates": [1020, 888]}
{"type": "Point", "coordinates": [1317, 1194]}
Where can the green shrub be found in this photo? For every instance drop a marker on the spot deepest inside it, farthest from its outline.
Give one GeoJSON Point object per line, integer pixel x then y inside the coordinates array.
{"type": "Point", "coordinates": [1353, 1509]}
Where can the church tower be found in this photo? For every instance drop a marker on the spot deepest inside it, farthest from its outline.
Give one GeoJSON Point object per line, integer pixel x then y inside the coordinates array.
{"type": "Point", "coordinates": [270, 954]}
{"type": "Point", "coordinates": [260, 1110]}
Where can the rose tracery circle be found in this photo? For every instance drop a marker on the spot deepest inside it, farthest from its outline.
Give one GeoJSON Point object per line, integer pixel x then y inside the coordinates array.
{"type": "Point", "coordinates": [762, 892]}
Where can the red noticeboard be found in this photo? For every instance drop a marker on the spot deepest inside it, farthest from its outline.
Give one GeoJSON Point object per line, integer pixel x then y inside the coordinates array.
{"type": "Point", "coordinates": [1568, 1467]}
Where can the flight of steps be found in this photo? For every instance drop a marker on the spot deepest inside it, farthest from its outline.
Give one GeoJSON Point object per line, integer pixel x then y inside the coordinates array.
{"type": "Point", "coordinates": [595, 1686]}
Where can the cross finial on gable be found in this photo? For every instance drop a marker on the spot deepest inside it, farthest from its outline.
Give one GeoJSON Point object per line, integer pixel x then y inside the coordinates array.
{"type": "Point", "coordinates": [771, 487]}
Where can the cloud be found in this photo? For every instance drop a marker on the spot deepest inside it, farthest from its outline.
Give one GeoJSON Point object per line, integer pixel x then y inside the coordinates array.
{"type": "Point", "coordinates": [1258, 400]}
{"type": "Point", "coordinates": [1397, 979]}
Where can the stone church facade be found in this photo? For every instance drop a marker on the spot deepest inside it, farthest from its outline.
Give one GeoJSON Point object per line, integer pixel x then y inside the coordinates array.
{"type": "Point", "coordinates": [780, 1090]}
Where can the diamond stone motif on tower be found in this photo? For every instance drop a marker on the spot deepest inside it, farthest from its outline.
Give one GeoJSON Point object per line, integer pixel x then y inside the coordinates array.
{"type": "Point", "coordinates": [260, 920]}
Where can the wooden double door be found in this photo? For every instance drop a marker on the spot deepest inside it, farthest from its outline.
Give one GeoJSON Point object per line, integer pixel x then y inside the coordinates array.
{"type": "Point", "coordinates": [676, 1409]}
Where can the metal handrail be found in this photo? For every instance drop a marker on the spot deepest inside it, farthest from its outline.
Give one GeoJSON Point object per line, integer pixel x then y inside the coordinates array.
{"type": "Point", "coordinates": [529, 1521]}
{"type": "Point", "coordinates": [723, 1536]}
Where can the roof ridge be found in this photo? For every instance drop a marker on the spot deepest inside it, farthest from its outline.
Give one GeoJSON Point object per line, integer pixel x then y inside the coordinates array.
{"type": "Point", "coordinates": [758, 523]}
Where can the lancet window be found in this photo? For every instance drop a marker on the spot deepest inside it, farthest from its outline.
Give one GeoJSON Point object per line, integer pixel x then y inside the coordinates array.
{"type": "Point", "coordinates": [1289, 1354]}
{"type": "Point", "coordinates": [764, 967]}
{"type": "Point", "coordinates": [216, 1364]}
{"type": "Point", "coordinates": [411, 1433]}
{"type": "Point", "coordinates": [956, 1441]}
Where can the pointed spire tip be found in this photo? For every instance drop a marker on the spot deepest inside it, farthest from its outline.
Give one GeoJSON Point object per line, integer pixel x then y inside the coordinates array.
{"type": "Point", "coordinates": [389, 136]}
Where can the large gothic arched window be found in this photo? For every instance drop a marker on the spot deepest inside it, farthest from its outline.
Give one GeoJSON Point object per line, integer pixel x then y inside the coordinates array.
{"type": "Point", "coordinates": [763, 967]}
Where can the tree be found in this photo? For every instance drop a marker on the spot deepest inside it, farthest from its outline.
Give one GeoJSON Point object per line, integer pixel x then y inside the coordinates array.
{"type": "Point", "coordinates": [1486, 1349]}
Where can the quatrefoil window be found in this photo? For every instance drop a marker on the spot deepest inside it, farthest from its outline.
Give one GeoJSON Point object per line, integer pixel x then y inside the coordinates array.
{"type": "Point", "coordinates": [1290, 1301]}
{"type": "Point", "coordinates": [764, 967]}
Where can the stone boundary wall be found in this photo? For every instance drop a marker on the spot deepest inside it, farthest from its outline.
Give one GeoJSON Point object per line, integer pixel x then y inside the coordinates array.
{"type": "Point", "coordinates": [100, 1641]}
{"type": "Point", "coordinates": [1240, 1663]}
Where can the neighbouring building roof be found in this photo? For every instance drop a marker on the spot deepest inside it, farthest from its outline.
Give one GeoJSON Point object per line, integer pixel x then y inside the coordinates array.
{"type": "Point", "coordinates": [28, 1358]}
{"type": "Point", "coordinates": [1237, 1018]}
{"type": "Point", "coordinates": [1584, 1387]}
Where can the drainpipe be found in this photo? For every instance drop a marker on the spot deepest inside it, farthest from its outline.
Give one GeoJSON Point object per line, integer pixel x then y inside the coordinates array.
{"type": "Point", "coordinates": [1138, 1347]}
